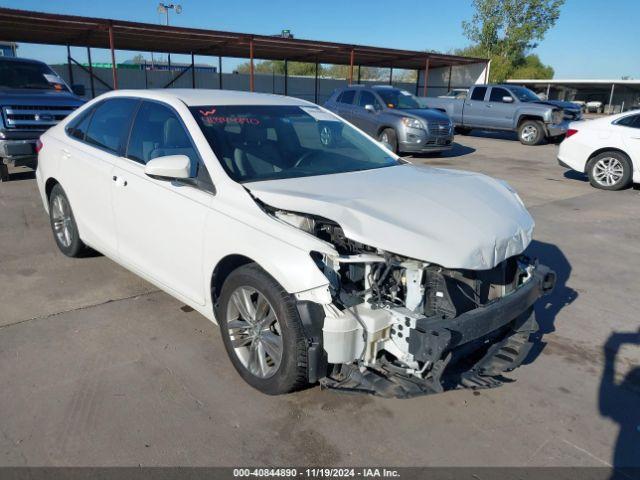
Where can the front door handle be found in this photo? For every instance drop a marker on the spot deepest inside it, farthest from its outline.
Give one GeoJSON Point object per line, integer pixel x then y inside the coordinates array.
{"type": "Point", "coordinates": [120, 182]}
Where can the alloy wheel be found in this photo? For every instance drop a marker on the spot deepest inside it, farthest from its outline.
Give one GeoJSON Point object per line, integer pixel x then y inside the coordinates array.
{"type": "Point", "coordinates": [529, 133]}
{"type": "Point", "coordinates": [61, 214]}
{"type": "Point", "coordinates": [608, 171]}
{"type": "Point", "coordinates": [254, 332]}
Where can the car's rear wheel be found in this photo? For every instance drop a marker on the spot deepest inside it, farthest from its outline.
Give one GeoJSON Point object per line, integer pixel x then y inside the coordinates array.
{"type": "Point", "coordinates": [262, 331]}
{"type": "Point", "coordinates": [531, 132]}
{"type": "Point", "coordinates": [63, 223]}
{"type": "Point", "coordinates": [610, 171]}
{"type": "Point", "coordinates": [389, 138]}
{"type": "Point", "coordinates": [4, 172]}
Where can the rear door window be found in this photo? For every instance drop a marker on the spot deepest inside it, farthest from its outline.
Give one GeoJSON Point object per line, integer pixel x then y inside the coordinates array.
{"type": "Point", "coordinates": [77, 128]}
{"type": "Point", "coordinates": [497, 93]}
{"type": "Point", "coordinates": [478, 93]}
{"type": "Point", "coordinates": [109, 126]}
{"type": "Point", "coordinates": [632, 121]}
{"type": "Point", "coordinates": [347, 97]}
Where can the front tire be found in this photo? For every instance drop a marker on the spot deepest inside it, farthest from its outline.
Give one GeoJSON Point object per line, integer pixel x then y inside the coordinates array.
{"type": "Point", "coordinates": [388, 137]}
{"type": "Point", "coordinates": [4, 172]}
{"type": "Point", "coordinates": [610, 171]}
{"type": "Point", "coordinates": [63, 224]}
{"type": "Point", "coordinates": [262, 331]}
{"type": "Point", "coordinates": [531, 132]}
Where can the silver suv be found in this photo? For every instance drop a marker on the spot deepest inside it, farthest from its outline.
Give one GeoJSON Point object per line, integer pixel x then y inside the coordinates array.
{"type": "Point", "coordinates": [394, 117]}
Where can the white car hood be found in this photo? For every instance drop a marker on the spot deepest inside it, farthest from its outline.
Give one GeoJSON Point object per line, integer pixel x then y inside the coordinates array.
{"type": "Point", "coordinates": [456, 219]}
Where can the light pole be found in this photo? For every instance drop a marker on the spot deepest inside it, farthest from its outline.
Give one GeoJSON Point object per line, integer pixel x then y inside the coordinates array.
{"type": "Point", "coordinates": [164, 8]}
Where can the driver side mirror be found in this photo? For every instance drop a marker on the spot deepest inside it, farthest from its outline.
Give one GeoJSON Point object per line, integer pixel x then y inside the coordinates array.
{"type": "Point", "coordinates": [169, 167]}
{"type": "Point", "coordinates": [370, 108]}
{"type": "Point", "coordinates": [507, 99]}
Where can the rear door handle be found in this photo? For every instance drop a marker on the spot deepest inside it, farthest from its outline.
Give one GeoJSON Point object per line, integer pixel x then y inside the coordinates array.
{"type": "Point", "coordinates": [65, 153]}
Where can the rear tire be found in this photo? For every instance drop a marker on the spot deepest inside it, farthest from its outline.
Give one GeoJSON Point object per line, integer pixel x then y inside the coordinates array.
{"type": "Point", "coordinates": [610, 171]}
{"type": "Point", "coordinates": [4, 172]}
{"type": "Point", "coordinates": [63, 224]}
{"type": "Point", "coordinates": [531, 132]}
{"type": "Point", "coordinates": [262, 331]}
{"type": "Point", "coordinates": [388, 136]}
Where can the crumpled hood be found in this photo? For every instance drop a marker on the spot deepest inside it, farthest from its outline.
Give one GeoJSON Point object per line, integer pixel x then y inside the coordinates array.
{"type": "Point", "coordinates": [456, 219]}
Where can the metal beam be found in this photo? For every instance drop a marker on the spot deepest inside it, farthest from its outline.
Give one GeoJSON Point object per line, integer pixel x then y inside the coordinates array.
{"type": "Point", "coordinates": [417, 82]}
{"type": "Point", "coordinates": [426, 77]}
{"type": "Point", "coordinates": [114, 71]}
{"type": "Point", "coordinates": [251, 70]}
{"type": "Point", "coordinates": [220, 72]}
{"type": "Point", "coordinates": [351, 60]}
{"type": "Point", "coordinates": [613, 87]}
{"type": "Point", "coordinates": [193, 72]}
{"type": "Point", "coordinates": [449, 82]}
{"type": "Point", "coordinates": [182, 72]}
{"type": "Point", "coordinates": [69, 65]}
{"type": "Point", "coordinates": [286, 77]}
{"type": "Point", "coordinates": [93, 87]}
{"type": "Point", "coordinates": [358, 74]}
{"type": "Point", "coordinates": [315, 85]}
{"type": "Point", "coordinates": [93, 75]}
{"type": "Point", "coordinates": [391, 76]}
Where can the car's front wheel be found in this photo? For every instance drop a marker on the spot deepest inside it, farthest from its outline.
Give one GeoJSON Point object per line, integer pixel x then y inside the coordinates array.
{"type": "Point", "coordinates": [389, 138]}
{"type": "Point", "coordinates": [610, 171]}
{"type": "Point", "coordinates": [531, 132]}
{"type": "Point", "coordinates": [262, 331]}
{"type": "Point", "coordinates": [63, 223]}
{"type": "Point", "coordinates": [4, 172]}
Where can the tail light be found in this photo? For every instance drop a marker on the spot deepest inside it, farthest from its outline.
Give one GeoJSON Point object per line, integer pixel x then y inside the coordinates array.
{"type": "Point", "coordinates": [570, 132]}
{"type": "Point", "coordinates": [39, 145]}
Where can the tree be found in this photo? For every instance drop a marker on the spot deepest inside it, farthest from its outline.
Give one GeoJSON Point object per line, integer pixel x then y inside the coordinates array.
{"type": "Point", "coordinates": [505, 31]}
{"type": "Point", "coordinates": [138, 59]}
{"type": "Point", "coordinates": [510, 28]}
{"type": "Point", "coordinates": [277, 67]}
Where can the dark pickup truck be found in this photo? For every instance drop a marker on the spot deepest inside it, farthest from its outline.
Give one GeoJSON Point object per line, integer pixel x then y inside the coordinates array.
{"type": "Point", "coordinates": [32, 98]}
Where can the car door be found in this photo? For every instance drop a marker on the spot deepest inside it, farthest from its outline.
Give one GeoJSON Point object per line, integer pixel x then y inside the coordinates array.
{"type": "Point", "coordinates": [499, 112]}
{"type": "Point", "coordinates": [630, 132]}
{"type": "Point", "coordinates": [363, 118]}
{"type": "Point", "coordinates": [344, 104]}
{"type": "Point", "coordinates": [96, 140]}
{"type": "Point", "coordinates": [475, 111]}
{"type": "Point", "coordinates": [160, 222]}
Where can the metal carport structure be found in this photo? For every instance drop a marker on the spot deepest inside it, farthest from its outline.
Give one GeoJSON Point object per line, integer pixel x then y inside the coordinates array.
{"type": "Point", "coordinates": [76, 31]}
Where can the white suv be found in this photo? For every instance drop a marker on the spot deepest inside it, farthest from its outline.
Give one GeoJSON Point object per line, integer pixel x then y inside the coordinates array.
{"type": "Point", "coordinates": [321, 255]}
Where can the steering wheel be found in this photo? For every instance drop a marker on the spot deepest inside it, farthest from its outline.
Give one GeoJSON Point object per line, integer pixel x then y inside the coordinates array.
{"type": "Point", "coordinates": [304, 157]}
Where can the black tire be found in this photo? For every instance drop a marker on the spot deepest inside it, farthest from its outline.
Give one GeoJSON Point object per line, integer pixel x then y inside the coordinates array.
{"type": "Point", "coordinates": [388, 136]}
{"type": "Point", "coordinates": [531, 132]}
{"type": "Point", "coordinates": [463, 130]}
{"type": "Point", "coordinates": [292, 372]}
{"type": "Point", "coordinates": [614, 158]}
{"type": "Point", "coordinates": [71, 246]}
{"type": "Point", "coordinates": [4, 172]}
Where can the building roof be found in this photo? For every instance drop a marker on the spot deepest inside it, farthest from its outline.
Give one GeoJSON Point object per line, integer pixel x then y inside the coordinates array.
{"type": "Point", "coordinates": [54, 29]}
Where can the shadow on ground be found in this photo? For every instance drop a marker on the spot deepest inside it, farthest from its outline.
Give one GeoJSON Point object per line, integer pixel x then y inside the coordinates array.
{"type": "Point", "coordinates": [457, 150]}
{"type": "Point", "coordinates": [547, 308]}
{"type": "Point", "coordinates": [620, 401]}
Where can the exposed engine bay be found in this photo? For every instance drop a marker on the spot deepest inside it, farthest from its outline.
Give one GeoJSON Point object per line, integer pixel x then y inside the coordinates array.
{"type": "Point", "coordinates": [395, 325]}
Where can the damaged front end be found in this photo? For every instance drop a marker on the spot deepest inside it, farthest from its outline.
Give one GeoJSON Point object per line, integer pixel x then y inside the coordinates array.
{"type": "Point", "coordinates": [400, 327]}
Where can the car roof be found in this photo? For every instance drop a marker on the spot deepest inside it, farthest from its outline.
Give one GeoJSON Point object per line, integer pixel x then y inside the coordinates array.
{"type": "Point", "coordinates": [21, 60]}
{"type": "Point", "coordinates": [198, 97]}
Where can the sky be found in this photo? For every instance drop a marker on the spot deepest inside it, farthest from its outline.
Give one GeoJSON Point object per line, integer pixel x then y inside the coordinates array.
{"type": "Point", "coordinates": [592, 39]}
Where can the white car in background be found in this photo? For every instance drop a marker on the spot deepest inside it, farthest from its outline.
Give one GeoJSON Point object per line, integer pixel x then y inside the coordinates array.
{"type": "Point", "coordinates": [321, 254]}
{"type": "Point", "coordinates": [606, 149]}
{"type": "Point", "coordinates": [594, 106]}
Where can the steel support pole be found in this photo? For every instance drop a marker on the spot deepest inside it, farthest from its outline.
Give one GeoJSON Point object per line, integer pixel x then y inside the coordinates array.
{"type": "Point", "coordinates": [351, 60]}
{"type": "Point", "coordinates": [426, 77]}
{"type": "Point", "coordinates": [613, 87]}
{"type": "Point", "coordinates": [449, 82]}
{"type": "Point", "coordinates": [286, 77]}
{"type": "Point", "coordinates": [358, 74]}
{"type": "Point", "coordinates": [417, 82]}
{"type": "Point", "coordinates": [486, 72]}
{"type": "Point", "coordinates": [114, 71]}
{"type": "Point", "coordinates": [251, 71]}
{"type": "Point", "coordinates": [391, 76]}
{"type": "Point", "coordinates": [69, 65]}
{"type": "Point", "coordinates": [220, 72]}
{"type": "Point", "coordinates": [193, 72]}
{"type": "Point", "coordinates": [315, 84]}
{"type": "Point", "coordinates": [93, 87]}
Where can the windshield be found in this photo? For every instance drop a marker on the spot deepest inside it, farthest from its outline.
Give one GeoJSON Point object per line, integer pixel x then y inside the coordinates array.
{"type": "Point", "coordinates": [524, 94]}
{"type": "Point", "coordinates": [29, 75]}
{"type": "Point", "coordinates": [401, 99]}
{"type": "Point", "coordinates": [267, 142]}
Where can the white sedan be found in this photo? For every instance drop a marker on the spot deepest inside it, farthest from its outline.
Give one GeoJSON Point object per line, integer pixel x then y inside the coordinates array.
{"type": "Point", "coordinates": [321, 255]}
{"type": "Point", "coordinates": [606, 149]}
